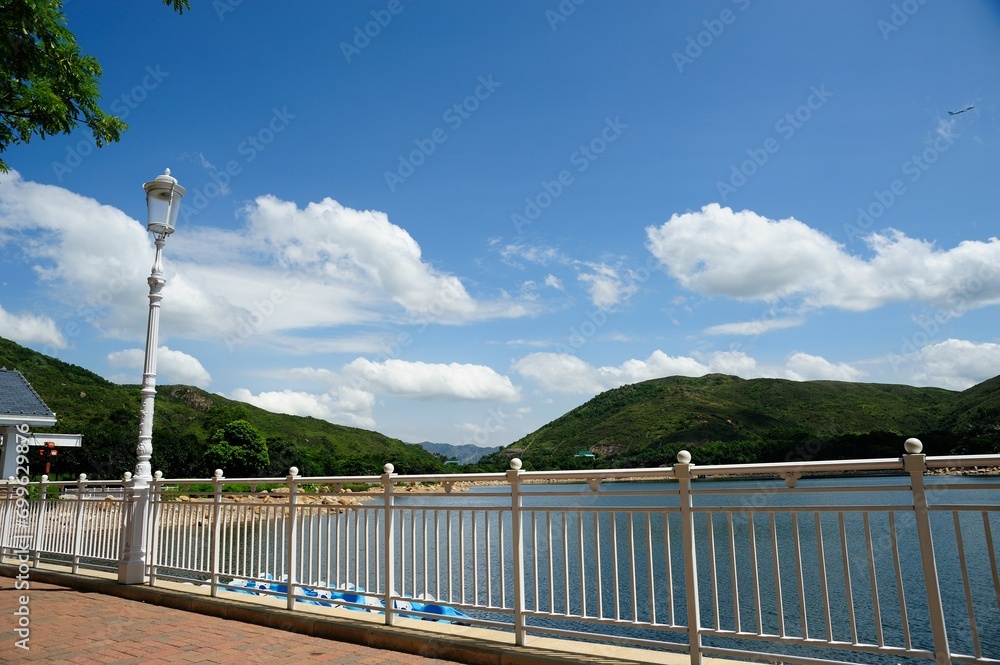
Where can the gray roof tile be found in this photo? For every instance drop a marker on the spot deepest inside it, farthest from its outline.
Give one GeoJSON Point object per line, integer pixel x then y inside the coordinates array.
{"type": "Point", "coordinates": [18, 398]}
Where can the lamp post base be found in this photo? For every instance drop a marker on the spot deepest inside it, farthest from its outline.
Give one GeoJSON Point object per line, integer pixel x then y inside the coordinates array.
{"type": "Point", "coordinates": [134, 563]}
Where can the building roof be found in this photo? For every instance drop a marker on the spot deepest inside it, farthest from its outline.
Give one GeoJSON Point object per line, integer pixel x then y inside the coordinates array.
{"type": "Point", "coordinates": [19, 403]}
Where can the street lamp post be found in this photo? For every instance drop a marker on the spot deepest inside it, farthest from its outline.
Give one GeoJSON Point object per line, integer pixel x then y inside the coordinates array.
{"type": "Point", "coordinates": [163, 199]}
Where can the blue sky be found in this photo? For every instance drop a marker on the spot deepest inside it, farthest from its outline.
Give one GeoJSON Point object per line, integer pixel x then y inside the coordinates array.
{"type": "Point", "coordinates": [456, 221]}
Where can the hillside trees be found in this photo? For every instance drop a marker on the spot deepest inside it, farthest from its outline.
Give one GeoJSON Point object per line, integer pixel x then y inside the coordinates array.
{"type": "Point", "coordinates": [981, 432]}
{"type": "Point", "coordinates": [108, 449]}
{"type": "Point", "coordinates": [239, 449]}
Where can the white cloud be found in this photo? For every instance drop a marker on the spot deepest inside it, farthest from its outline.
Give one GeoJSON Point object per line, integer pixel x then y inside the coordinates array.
{"type": "Point", "coordinates": [30, 329]}
{"type": "Point", "coordinates": [89, 254]}
{"type": "Point", "coordinates": [343, 406]}
{"type": "Point", "coordinates": [559, 372]}
{"type": "Point", "coordinates": [565, 373]}
{"type": "Point", "coordinates": [554, 282]}
{"type": "Point", "coordinates": [288, 269]}
{"type": "Point", "coordinates": [529, 342]}
{"type": "Point", "coordinates": [419, 380]}
{"type": "Point", "coordinates": [479, 433]}
{"type": "Point", "coordinates": [952, 364]}
{"type": "Point", "coordinates": [754, 328]}
{"type": "Point", "coordinates": [312, 374]}
{"type": "Point", "coordinates": [745, 256]}
{"type": "Point", "coordinates": [607, 287]}
{"type": "Point", "coordinates": [956, 364]}
{"type": "Point", "coordinates": [806, 367]}
{"type": "Point", "coordinates": [512, 254]}
{"type": "Point", "coordinates": [742, 255]}
{"type": "Point", "coordinates": [362, 249]}
{"type": "Point", "coordinates": [736, 363]}
{"type": "Point", "coordinates": [171, 366]}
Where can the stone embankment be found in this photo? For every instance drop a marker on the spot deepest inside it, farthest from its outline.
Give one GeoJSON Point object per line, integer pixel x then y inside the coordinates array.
{"type": "Point", "coordinates": [974, 471]}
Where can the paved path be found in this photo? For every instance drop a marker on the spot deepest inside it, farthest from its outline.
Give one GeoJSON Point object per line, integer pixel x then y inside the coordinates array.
{"type": "Point", "coordinates": [70, 626]}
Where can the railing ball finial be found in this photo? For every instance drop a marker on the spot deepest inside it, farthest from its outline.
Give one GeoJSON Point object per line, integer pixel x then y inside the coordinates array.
{"type": "Point", "coordinates": [913, 446]}
{"type": "Point", "coordinates": [83, 477]}
{"type": "Point", "coordinates": [158, 475]}
{"type": "Point", "coordinates": [515, 463]}
{"type": "Point", "coordinates": [684, 457]}
{"type": "Point", "coordinates": [388, 468]}
{"type": "Point", "coordinates": [294, 471]}
{"type": "Point", "coordinates": [45, 478]}
{"type": "Point", "coordinates": [128, 476]}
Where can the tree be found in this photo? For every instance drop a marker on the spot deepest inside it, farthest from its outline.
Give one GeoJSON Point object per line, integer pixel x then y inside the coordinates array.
{"type": "Point", "coordinates": [222, 413]}
{"type": "Point", "coordinates": [239, 449]}
{"type": "Point", "coordinates": [47, 86]}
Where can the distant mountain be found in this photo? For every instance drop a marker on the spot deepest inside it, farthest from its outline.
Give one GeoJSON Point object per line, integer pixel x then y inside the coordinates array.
{"type": "Point", "coordinates": [465, 454]}
{"type": "Point", "coordinates": [107, 414]}
{"type": "Point", "coordinates": [725, 419]}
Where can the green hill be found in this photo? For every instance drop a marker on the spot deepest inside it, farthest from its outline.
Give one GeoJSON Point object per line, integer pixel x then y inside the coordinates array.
{"type": "Point", "coordinates": [107, 414]}
{"type": "Point", "coordinates": [726, 419]}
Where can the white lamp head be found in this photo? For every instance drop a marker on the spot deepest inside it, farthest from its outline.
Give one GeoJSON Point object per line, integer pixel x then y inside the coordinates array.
{"type": "Point", "coordinates": [163, 199]}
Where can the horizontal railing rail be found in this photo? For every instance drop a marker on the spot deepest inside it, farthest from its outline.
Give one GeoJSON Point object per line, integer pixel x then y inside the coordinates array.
{"type": "Point", "coordinates": [858, 560]}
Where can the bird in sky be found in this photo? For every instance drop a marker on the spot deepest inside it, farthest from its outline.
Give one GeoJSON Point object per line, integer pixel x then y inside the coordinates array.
{"type": "Point", "coordinates": [967, 108]}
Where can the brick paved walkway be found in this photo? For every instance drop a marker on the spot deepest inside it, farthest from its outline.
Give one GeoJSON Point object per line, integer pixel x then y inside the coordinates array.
{"type": "Point", "coordinates": [70, 626]}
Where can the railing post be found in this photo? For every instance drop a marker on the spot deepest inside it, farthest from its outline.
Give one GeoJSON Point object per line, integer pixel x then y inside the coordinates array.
{"type": "Point", "coordinates": [682, 471]}
{"type": "Point", "coordinates": [81, 485]}
{"type": "Point", "coordinates": [132, 568]}
{"type": "Point", "coordinates": [216, 529]}
{"type": "Point", "coordinates": [517, 555]}
{"type": "Point", "coordinates": [36, 544]}
{"type": "Point", "coordinates": [292, 546]}
{"type": "Point", "coordinates": [915, 464]}
{"type": "Point", "coordinates": [154, 510]}
{"type": "Point", "coordinates": [388, 544]}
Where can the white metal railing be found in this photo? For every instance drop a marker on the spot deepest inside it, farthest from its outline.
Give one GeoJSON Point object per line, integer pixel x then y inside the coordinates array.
{"type": "Point", "coordinates": [883, 564]}
{"type": "Point", "coordinates": [77, 523]}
